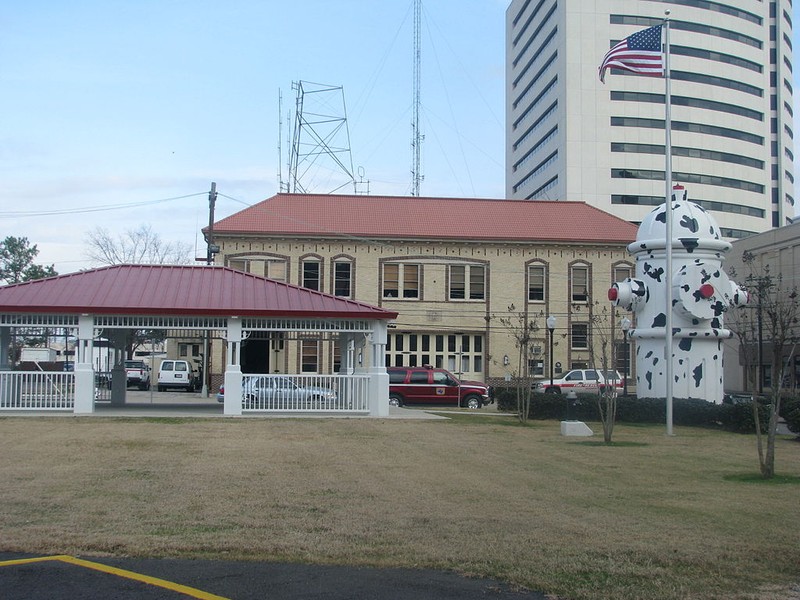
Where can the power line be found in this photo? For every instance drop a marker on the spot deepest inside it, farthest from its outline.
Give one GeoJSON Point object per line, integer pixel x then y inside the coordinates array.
{"type": "Point", "coordinates": [92, 209]}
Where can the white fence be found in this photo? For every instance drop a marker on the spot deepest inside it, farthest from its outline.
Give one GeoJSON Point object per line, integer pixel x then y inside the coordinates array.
{"type": "Point", "coordinates": [305, 393]}
{"type": "Point", "coordinates": [37, 390]}
{"type": "Point", "coordinates": [43, 391]}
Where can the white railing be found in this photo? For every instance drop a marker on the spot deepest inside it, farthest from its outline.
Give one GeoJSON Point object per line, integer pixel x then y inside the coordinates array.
{"type": "Point", "coordinates": [305, 393]}
{"type": "Point", "coordinates": [37, 390]}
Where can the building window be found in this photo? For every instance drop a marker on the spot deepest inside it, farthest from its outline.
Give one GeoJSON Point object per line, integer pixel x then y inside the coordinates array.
{"type": "Point", "coordinates": [536, 280]}
{"type": "Point", "coordinates": [275, 269]}
{"type": "Point", "coordinates": [580, 336]}
{"type": "Point", "coordinates": [536, 367]}
{"type": "Point", "coordinates": [467, 282]}
{"type": "Point", "coordinates": [621, 273]}
{"type": "Point", "coordinates": [184, 349]}
{"type": "Point", "coordinates": [240, 264]}
{"type": "Point", "coordinates": [462, 354]}
{"type": "Point", "coordinates": [400, 281]}
{"type": "Point", "coordinates": [580, 284]}
{"type": "Point", "coordinates": [337, 357]}
{"type": "Point", "coordinates": [311, 274]}
{"type": "Point", "coordinates": [623, 358]}
{"type": "Point", "coordinates": [309, 360]}
{"type": "Point", "coordinates": [271, 268]}
{"type": "Point", "coordinates": [342, 279]}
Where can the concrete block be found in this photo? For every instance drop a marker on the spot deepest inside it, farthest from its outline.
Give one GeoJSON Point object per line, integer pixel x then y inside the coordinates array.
{"type": "Point", "coordinates": [575, 428]}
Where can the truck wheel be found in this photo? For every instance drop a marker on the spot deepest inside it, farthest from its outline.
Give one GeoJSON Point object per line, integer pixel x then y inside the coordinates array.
{"type": "Point", "coordinates": [395, 400]}
{"type": "Point", "coordinates": [552, 390]}
{"type": "Point", "coordinates": [145, 386]}
{"type": "Point", "coordinates": [472, 402]}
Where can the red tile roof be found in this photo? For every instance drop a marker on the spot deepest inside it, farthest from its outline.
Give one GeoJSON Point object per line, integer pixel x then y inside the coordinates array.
{"type": "Point", "coordinates": [409, 217]}
{"type": "Point", "coordinates": [177, 290]}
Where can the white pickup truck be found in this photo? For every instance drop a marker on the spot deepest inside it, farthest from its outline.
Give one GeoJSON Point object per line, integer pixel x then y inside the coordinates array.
{"type": "Point", "coordinates": [137, 373]}
{"type": "Point", "coordinates": [582, 380]}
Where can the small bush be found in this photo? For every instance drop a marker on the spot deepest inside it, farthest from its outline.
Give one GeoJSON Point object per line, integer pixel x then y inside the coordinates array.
{"type": "Point", "coordinates": [739, 417]}
{"type": "Point", "coordinates": [630, 409]}
{"type": "Point", "coordinates": [790, 411]}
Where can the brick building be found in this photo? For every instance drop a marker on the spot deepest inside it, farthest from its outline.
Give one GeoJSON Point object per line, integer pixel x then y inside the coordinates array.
{"type": "Point", "coordinates": [450, 267]}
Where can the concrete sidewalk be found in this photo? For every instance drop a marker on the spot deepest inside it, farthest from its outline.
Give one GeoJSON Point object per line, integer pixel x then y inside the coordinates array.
{"type": "Point", "coordinates": [152, 403]}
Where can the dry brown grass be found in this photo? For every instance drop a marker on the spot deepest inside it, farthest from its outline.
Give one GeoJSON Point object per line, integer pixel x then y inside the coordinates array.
{"type": "Point", "coordinates": [653, 517]}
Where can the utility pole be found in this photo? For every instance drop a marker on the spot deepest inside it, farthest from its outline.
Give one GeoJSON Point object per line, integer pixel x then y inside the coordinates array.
{"type": "Point", "coordinates": [211, 250]}
{"type": "Point", "coordinates": [212, 201]}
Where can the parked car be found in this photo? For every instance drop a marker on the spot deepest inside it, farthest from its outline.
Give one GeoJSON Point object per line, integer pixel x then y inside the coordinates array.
{"type": "Point", "coordinates": [137, 372]}
{"type": "Point", "coordinates": [177, 374]}
{"type": "Point", "coordinates": [582, 380]}
{"type": "Point", "coordinates": [281, 393]}
{"type": "Point", "coordinates": [426, 385]}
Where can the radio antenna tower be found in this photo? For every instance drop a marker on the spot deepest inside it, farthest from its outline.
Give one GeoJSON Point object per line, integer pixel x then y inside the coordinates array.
{"type": "Point", "coordinates": [416, 133]}
{"type": "Point", "coordinates": [320, 153]}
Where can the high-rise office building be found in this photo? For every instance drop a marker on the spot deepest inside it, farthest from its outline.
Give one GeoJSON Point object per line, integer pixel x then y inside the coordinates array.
{"type": "Point", "coordinates": [571, 137]}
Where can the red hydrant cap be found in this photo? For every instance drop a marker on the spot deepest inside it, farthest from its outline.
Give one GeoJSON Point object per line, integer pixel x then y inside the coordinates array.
{"type": "Point", "coordinates": [706, 290]}
{"type": "Point", "coordinates": [613, 293]}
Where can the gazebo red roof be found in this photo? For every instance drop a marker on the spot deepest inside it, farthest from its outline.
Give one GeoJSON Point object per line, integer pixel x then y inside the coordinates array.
{"type": "Point", "coordinates": [410, 217]}
{"type": "Point", "coordinates": [177, 290]}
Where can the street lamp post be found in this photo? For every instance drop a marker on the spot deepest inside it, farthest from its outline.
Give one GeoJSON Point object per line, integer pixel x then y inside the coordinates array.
{"type": "Point", "coordinates": [626, 325]}
{"type": "Point", "coordinates": [551, 325]}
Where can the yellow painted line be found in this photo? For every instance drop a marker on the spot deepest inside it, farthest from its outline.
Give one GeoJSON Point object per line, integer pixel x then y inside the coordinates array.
{"type": "Point", "coordinates": [169, 585]}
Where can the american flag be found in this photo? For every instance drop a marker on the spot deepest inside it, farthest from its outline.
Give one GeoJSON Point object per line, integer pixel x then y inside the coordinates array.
{"type": "Point", "coordinates": [640, 53]}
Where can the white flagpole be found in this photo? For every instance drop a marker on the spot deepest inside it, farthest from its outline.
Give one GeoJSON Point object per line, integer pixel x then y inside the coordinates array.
{"type": "Point", "coordinates": [668, 215]}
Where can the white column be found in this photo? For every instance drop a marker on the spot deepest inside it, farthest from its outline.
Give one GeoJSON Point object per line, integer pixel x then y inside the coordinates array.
{"type": "Point", "coordinates": [378, 377]}
{"type": "Point", "coordinates": [233, 370]}
{"type": "Point", "coordinates": [84, 371]}
{"type": "Point", "coordinates": [7, 388]}
{"type": "Point", "coordinates": [5, 344]}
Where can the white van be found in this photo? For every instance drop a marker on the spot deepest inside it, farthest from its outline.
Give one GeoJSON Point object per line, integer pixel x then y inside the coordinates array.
{"type": "Point", "coordinates": [177, 374]}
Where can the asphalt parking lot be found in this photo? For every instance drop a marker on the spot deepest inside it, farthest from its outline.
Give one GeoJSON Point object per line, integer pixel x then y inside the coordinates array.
{"type": "Point", "coordinates": [66, 578]}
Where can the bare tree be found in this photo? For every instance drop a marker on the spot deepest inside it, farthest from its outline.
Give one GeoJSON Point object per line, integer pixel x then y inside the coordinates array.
{"type": "Point", "coordinates": [525, 333]}
{"type": "Point", "coordinates": [136, 246]}
{"type": "Point", "coordinates": [778, 315]}
{"type": "Point", "coordinates": [601, 324]}
{"type": "Point", "coordinates": [744, 325]}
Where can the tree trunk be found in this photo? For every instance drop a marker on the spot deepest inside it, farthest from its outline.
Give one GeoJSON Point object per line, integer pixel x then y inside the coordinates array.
{"type": "Point", "coordinates": [768, 465]}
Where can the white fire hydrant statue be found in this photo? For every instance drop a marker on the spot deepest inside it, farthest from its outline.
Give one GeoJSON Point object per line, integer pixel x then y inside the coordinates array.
{"type": "Point", "coordinates": [701, 293]}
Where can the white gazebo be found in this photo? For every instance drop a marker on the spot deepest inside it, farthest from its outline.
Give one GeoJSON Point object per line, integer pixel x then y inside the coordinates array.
{"type": "Point", "coordinates": [111, 301]}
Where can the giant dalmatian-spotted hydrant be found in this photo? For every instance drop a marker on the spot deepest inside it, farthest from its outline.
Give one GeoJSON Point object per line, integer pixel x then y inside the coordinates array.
{"type": "Point", "coordinates": [701, 293]}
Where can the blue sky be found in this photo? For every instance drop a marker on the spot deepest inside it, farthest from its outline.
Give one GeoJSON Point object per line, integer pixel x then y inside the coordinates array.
{"type": "Point", "coordinates": [124, 106]}
{"type": "Point", "coordinates": [120, 103]}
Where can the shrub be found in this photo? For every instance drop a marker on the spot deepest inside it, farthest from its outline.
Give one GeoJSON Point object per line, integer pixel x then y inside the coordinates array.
{"type": "Point", "coordinates": [739, 417]}
{"type": "Point", "coordinates": [630, 409]}
{"type": "Point", "coordinates": [790, 411]}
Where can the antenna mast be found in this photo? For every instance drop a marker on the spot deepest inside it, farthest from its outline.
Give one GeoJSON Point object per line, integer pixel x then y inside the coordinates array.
{"type": "Point", "coordinates": [416, 134]}
{"type": "Point", "coordinates": [280, 133]}
{"type": "Point", "coordinates": [320, 153]}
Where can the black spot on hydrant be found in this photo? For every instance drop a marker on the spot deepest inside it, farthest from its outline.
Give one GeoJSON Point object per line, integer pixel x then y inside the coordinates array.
{"type": "Point", "coordinates": [697, 374]}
